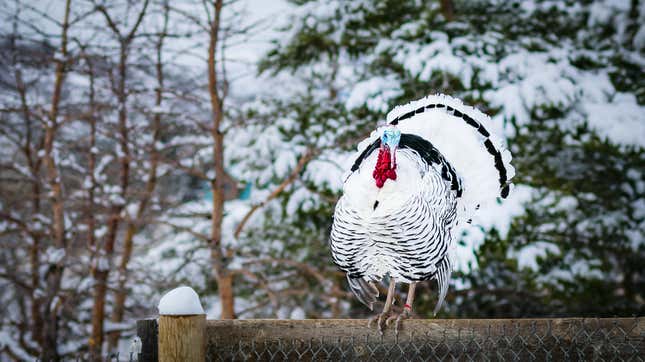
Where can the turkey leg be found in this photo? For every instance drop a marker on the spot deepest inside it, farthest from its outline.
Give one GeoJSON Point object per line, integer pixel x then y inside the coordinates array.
{"type": "Point", "coordinates": [383, 316]}
{"type": "Point", "coordinates": [407, 309]}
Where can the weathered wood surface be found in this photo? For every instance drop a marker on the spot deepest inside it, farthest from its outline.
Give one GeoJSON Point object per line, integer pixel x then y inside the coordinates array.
{"type": "Point", "coordinates": [181, 338]}
{"type": "Point", "coordinates": [271, 329]}
{"type": "Point", "coordinates": [147, 330]}
{"type": "Point", "coordinates": [435, 339]}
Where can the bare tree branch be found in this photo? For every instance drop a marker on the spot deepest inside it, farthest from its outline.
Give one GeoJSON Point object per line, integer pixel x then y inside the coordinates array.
{"type": "Point", "coordinates": [292, 177]}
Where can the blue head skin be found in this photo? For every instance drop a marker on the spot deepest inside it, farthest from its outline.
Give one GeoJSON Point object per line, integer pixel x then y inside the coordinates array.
{"type": "Point", "coordinates": [391, 137]}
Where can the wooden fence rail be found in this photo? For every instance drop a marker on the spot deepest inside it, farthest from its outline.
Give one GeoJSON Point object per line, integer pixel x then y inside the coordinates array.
{"type": "Point", "coordinates": [427, 339]}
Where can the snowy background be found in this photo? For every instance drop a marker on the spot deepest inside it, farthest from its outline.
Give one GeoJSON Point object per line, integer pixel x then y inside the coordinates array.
{"type": "Point", "coordinates": [301, 84]}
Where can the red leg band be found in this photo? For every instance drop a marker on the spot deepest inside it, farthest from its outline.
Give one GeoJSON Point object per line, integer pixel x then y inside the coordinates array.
{"type": "Point", "coordinates": [407, 306]}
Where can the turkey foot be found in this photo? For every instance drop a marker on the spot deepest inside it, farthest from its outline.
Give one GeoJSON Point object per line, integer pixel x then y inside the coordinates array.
{"type": "Point", "coordinates": [380, 320]}
{"type": "Point", "coordinates": [405, 314]}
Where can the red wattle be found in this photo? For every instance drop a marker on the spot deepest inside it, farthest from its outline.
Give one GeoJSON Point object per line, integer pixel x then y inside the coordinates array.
{"type": "Point", "coordinates": [383, 169]}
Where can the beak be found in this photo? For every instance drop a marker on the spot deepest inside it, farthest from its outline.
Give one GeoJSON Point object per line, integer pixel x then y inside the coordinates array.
{"type": "Point", "coordinates": [393, 157]}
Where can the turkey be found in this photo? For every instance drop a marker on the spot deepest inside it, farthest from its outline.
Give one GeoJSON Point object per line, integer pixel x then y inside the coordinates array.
{"type": "Point", "coordinates": [413, 181]}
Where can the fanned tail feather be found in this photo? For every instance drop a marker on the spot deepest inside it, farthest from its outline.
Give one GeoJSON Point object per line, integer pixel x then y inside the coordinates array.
{"type": "Point", "coordinates": [364, 291]}
{"type": "Point", "coordinates": [443, 278]}
{"type": "Point", "coordinates": [458, 132]}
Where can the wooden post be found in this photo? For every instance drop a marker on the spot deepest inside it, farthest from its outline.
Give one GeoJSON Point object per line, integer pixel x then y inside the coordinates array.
{"type": "Point", "coordinates": [147, 332]}
{"type": "Point", "coordinates": [182, 338]}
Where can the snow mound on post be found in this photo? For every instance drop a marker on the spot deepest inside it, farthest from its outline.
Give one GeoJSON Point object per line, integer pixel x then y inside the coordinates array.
{"type": "Point", "coordinates": [180, 301]}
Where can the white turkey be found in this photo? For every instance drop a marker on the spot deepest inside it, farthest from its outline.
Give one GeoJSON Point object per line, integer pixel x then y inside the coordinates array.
{"type": "Point", "coordinates": [413, 180]}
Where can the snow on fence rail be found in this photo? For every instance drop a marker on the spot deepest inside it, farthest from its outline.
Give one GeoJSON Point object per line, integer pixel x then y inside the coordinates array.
{"type": "Point", "coordinates": [557, 339]}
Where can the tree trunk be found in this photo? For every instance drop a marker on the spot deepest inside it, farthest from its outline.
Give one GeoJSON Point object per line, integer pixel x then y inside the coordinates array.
{"type": "Point", "coordinates": [55, 273]}
{"type": "Point", "coordinates": [34, 167]}
{"type": "Point", "coordinates": [91, 209]}
{"type": "Point", "coordinates": [225, 285]}
{"type": "Point", "coordinates": [121, 291]}
{"type": "Point", "coordinates": [223, 277]}
{"type": "Point", "coordinates": [102, 272]}
{"type": "Point", "coordinates": [448, 9]}
{"type": "Point", "coordinates": [103, 263]}
{"type": "Point", "coordinates": [120, 294]}
{"type": "Point", "coordinates": [98, 315]}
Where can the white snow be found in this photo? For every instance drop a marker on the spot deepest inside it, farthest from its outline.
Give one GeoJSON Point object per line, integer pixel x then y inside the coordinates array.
{"type": "Point", "coordinates": [180, 301]}
{"type": "Point", "coordinates": [621, 120]}
{"type": "Point", "coordinates": [132, 210]}
{"type": "Point", "coordinates": [297, 313]}
{"type": "Point", "coordinates": [160, 109]}
{"type": "Point", "coordinates": [55, 255]}
{"type": "Point", "coordinates": [374, 92]}
{"type": "Point", "coordinates": [527, 257]}
{"type": "Point", "coordinates": [103, 263]}
{"type": "Point", "coordinates": [8, 341]}
{"type": "Point", "coordinates": [639, 39]}
{"type": "Point", "coordinates": [135, 346]}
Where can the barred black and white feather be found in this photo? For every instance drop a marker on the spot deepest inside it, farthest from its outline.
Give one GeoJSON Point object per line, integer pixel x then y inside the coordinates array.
{"type": "Point", "coordinates": [448, 164]}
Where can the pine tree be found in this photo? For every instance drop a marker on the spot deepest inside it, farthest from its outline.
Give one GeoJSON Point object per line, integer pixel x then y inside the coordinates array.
{"type": "Point", "coordinates": [563, 82]}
